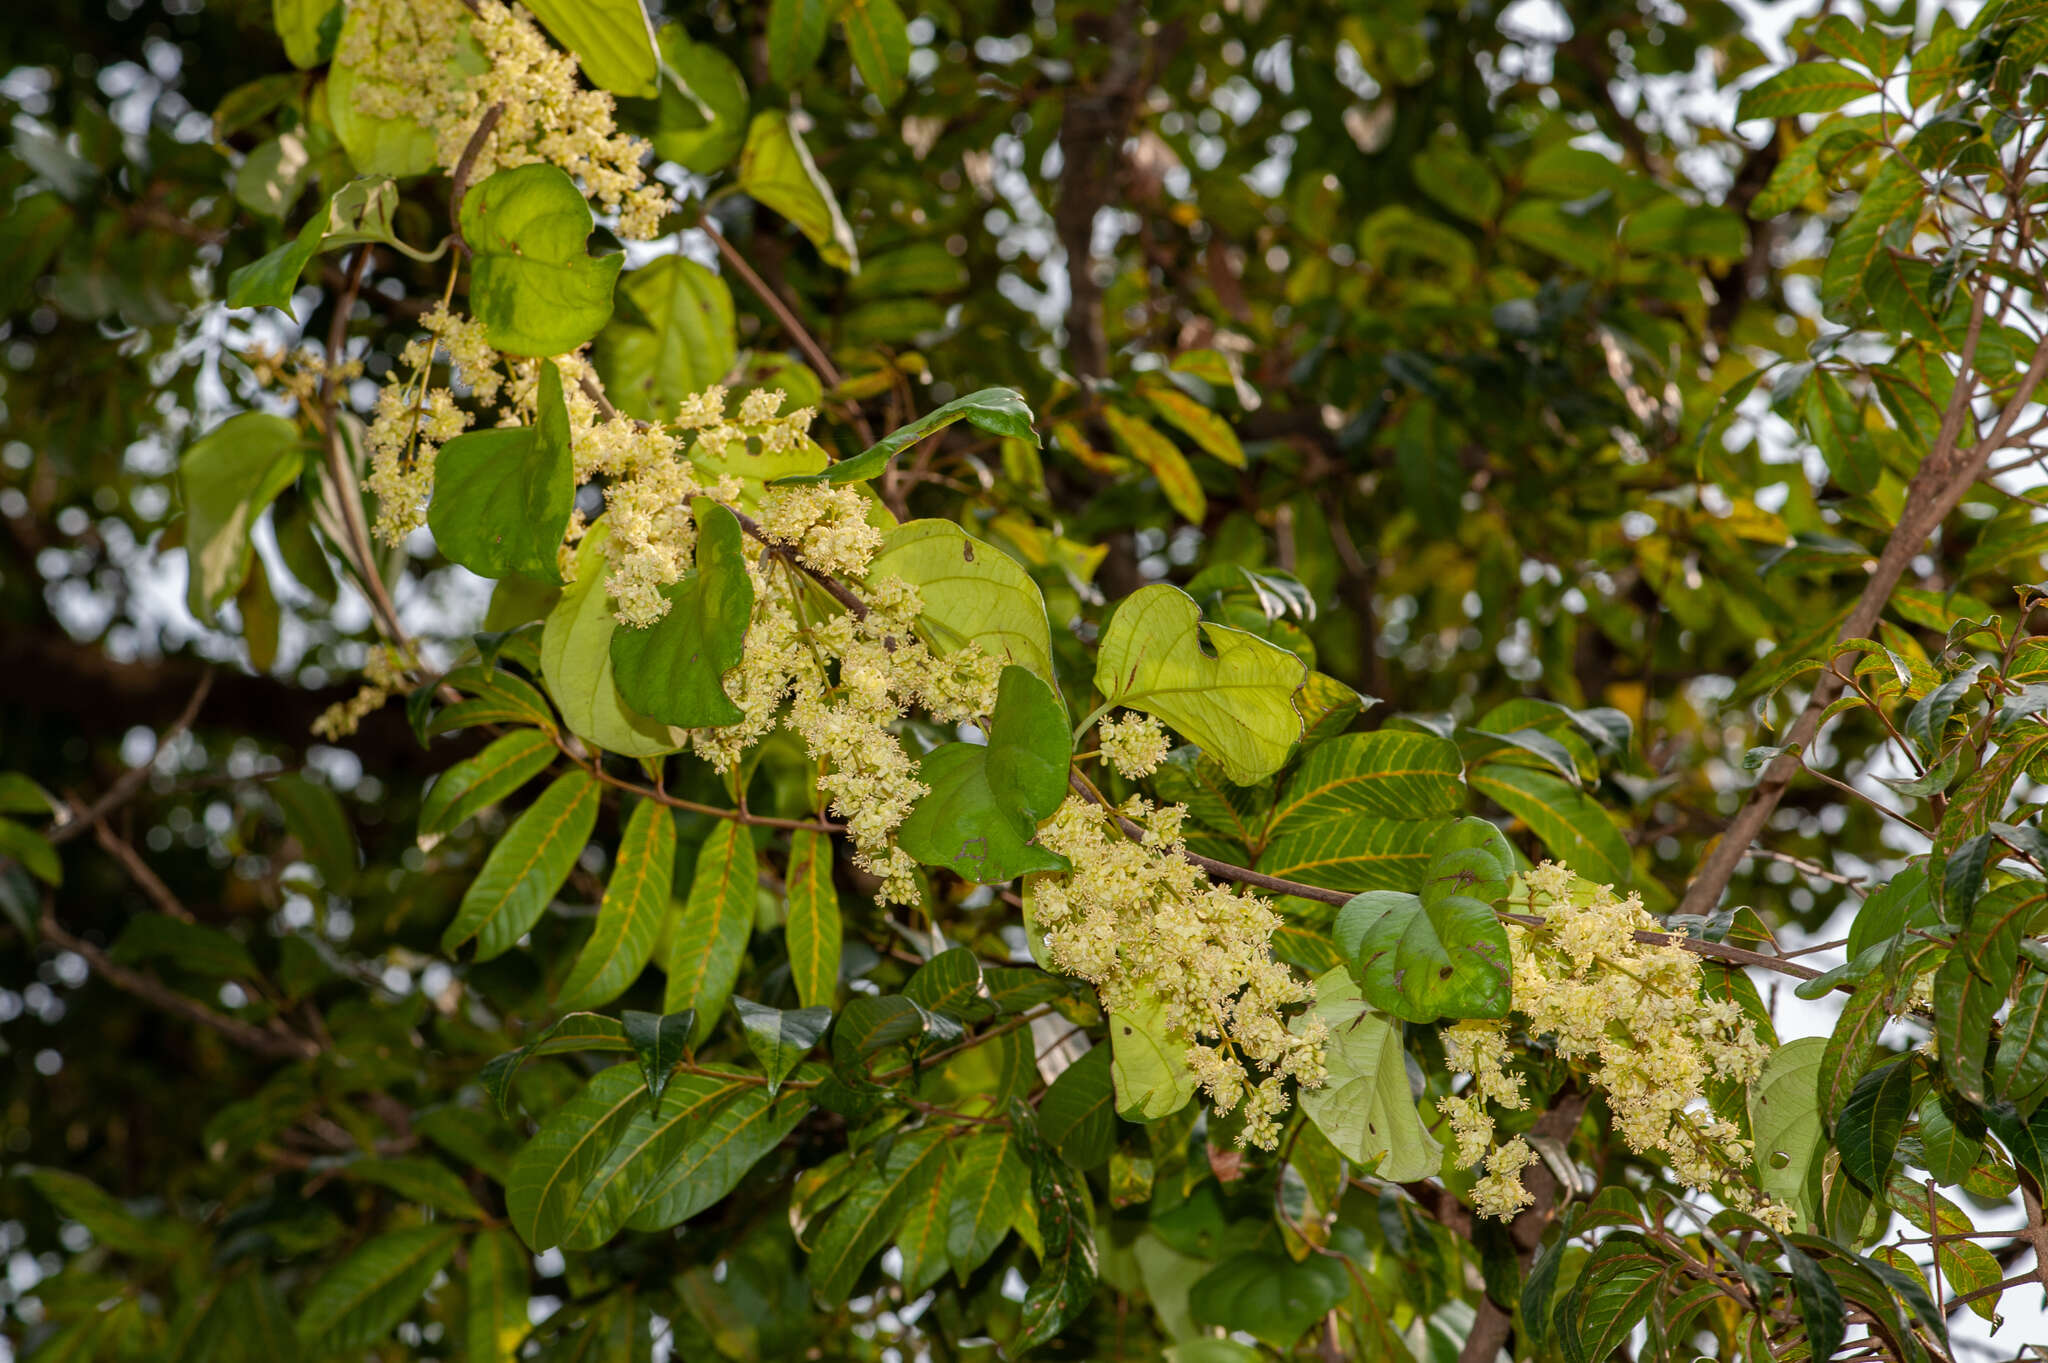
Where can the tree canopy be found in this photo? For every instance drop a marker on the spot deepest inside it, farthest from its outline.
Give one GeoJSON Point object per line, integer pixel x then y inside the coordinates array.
{"type": "Point", "coordinates": [888, 680]}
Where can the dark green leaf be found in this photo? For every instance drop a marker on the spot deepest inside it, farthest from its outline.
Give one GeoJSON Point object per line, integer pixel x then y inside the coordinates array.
{"type": "Point", "coordinates": [575, 1032]}
{"type": "Point", "coordinates": [1078, 1112]}
{"type": "Point", "coordinates": [711, 936]}
{"type": "Point", "coordinates": [1872, 1120]}
{"type": "Point", "coordinates": [520, 877]}
{"type": "Point", "coordinates": [999, 411]}
{"type": "Point", "coordinates": [359, 1301]}
{"type": "Point", "coordinates": [1443, 953]}
{"type": "Point", "coordinates": [636, 902]}
{"type": "Point", "coordinates": [226, 479]}
{"type": "Point", "coordinates": [987, 800]}
{"type": "Point", "coordinates": [660, 1042]}
{"type": "Point", "coordinates": [781, 1038]}
{"type": "Point", "coordinates": [674, 670]}
{"type": "Point", "coordinates": [502, 497]}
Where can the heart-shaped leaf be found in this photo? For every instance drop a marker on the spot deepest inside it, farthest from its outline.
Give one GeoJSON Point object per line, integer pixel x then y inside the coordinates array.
{"type": "Point", "coordinates": [674, 670]}
{"type": "Point", "coordinates": [502, 497]}
{"type": "Point", "coordinates": [780, 1037]}
{"type": "Point", "coordinates": [534, 286]}
{"type": "Point", "coordinates": [1442, 953]}
{"type": "Point", "coordinates": [987, 800]}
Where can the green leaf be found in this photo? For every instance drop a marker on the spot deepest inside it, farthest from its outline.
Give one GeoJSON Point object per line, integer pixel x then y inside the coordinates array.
{"type": "Point", "coordinates": [1872, 1119]}
{"type": "Point", "coordinates": [1612, 1295]}
{"type": "Point", "coordinates": [951, 983]}
{"type": "Point", "coordinates": [1229, 692]}
{"type": "Point", "coordinates": [879, 39]}
{"type": "Point", "coordinates": [359, 1301]}
{"type": "Point", "coordinates": [613, 40]}
{"type": "Point", "coordinates": [1807, 88]}
{"type": "Point", "coordinates": [576, 663]}
{"type": "Point", "coordinates": [1835, 423]}
{"type": "Point", "coordinates": [360, 211]}
{"type": "Point", "coordinates": [781, 1038]}
{"type": "Point", "coordinates": [1148, 1065]}
{"type": "Point", "coordinates": [660, 1042]}
{"type": "Point", "coordinates": [775, 167]}
{"type": "Point", "coordinates": [1142, 441]}
{"type": "Point", "coordinates": [534, 287]}
{"type": "Point", "coordinates": [520, 877]}
{"type": "Point", "coordinates": [813, 931]}
{"type": "Point", "coordinates": [971, 592]}
{"type": "Point", "coordinates": [226, 479]}
{"type": "Point", "coordinates": [1067, 1262]}
{"type": "Point", "coordinates": [701, 126]}
{"type": "Point", "coordinates": [308, 29]}
{"type": "Point", "coordinates": [555, 1170]}
{"type": "Point", "coordinates": [999, 411]}
{"type": "Point", "coordinates": [188, 946]}
{"type": "Point", "coordinates": [1366, 1109]}
{"type": "Point", "coordinates": [1450, 174]}
{"type": "Point", "coordinates": [870, 1024]}
{"type": "Point", "coordinates": [673, 336]}
{"type": "Point", "coordinates": [921, 1234]}
{"type": "Point", "coordinates": [1206, 428]}
{"type": "Point", "coordinates": [1443, 953]}
{"type": "Point", "coordinates": [418, 1179]}
{"type": "Point", "coordinates": [270, 280]}
{"type": "Point", "coordinates": [502, 497]}
{"type": "Point", "coordinates": [711, 936]}
{"type": "Point", "coordinates": [1356, 854]}
{"type": "Point", "coordinates": [1541, 1284]}
{"type": "Point", "coordinates": [315, 816]}
{"type": "Point", "coordinates": [574, 1032]}
{"type": "Point", "coordinates": [476, 783]}
{"type": "Point", "coordinates": [1892, 197]}
{"type": "Point", "coordinates": [20, 794]}
{"type": "Point", "coordinates": [1078, 1113]}
{"type": "Point", "coordinates": [720, 1150]}
{"type": "Point", "coordinates": [636, 900]}
{"type": "Point", "coordinates": [1569, 822]}
{"type": "Point", "coordinates": [674, 670]}
{"type": "Point", "coordinates": [1269, 1296]}
{"type": "Point", "coordinates": [1972, 983]}
{"type": "Point", "coordinates": [862, 1224]}
{"type": "Point", "coordinates": [496, 1323]}
{"type": "Point", "coordinates": [273, 176]}
{"type": "Point", "coordinates": [496, 697]}
{"type": "Point", "coordinates": [1785, 1120]}
{"type": "Point", "coordinates": [112, 1225]}
{"type": "Point", "coordinates": [31, 231]}
{"type": "Point", "coordinates": [796, 37]}
{"type": "Point", "coordinates": [987, 800]}
{"type": "Point", "coordinates": [989, 1186]}
{"type": "Point", "coordinates": [399, 146]}
{"type": "Point", "coordinates": [2019, 1073]}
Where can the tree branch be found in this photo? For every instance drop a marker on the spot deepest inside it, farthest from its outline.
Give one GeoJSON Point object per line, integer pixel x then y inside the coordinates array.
{"type": "Point", "coordinates": [128, 782]}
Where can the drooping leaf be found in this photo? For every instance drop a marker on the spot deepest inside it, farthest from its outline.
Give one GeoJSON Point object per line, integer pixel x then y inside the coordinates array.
{"type": "Point", "coordinates": [1148, 1065]}
{"type": "Point", "coordinates": [780, 1038]}
{"type": "Point", "coordinates": [711, 936]}
{"type": "Point", "coordinates": [573, 1032]}
{"type": "Point", "coordinates": [990, 1183]}
{"type": "Point", "coordinates": [358, 1301]}
{"type": "Point", "coordinates": [972, 593]}
{"type": "Point", "coordinates": [502, 497]}
{"type": "Point", "coordinates": [525, 869]}
{"type": "Point", "coordinates": [674, 670]}
{"type": "Point", "coordinates": [226, 479]}
{"type": "Point", "coordinates": [720, 1150]}
{"type": "Point", "coordinates": [776, 167]}
{"type": "Point", "coordinates": [1971, 986]}
{"type": "Point", "coordinates": [534, 287]}
{"type": "Point", "coordinates": [1229, 692]}
{"type": "Point", "coordinates": [496, 1323]}
{"type": "Point", "coordinates": [553, 1172]}
{"type": "Point", "coordinates": [1366, 1108]}
{"type": "Point", "coordinates": [1268, 1295]}
{"type": "Point", "coordinates": [879, 38]}
{"type": "Point", "coordinates": [576, 663]}
{"type": "Point", "coordinates": [1078, 1112]}
{"type": "Point", "coordinates": [612, 39]}
{"type": "Point", "coordinates": [1067, 1259]}
{"type": "Point", "coordinates": [636, 900]}
{"type": "Point", "coordinates": [1612, 1294]}
{"type": "Point", "coordinates": [987, 800]}
{"type": "Point", "coordinates": [476, 783]}
{"type": "Point", "coordinates": [813, 931]}
{"type": "Point", "coordinates": [862, 1224]}
{"type": "Point", "coordinates": [659, 1041]}
{"type": "Point", "coordinates": [999, 411]}
{"type": "Point", "coordinates": [1872, 1119]}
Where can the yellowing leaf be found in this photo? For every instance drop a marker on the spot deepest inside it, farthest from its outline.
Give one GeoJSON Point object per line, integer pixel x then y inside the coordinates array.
{"type": "Point", "coordinates": [1143, 442]}
{"type": "Point", "coordinates": [1196, 422]}
{"type": "Point", "coordinates": [1148, 1066]}
{"type": "Point", "coordinates": [576, 663]}
{"type": "Point", "coordinates": [776, 168]}
{"type": "Point", "coordinates": [973, 593]}
{"type": "Point", "coordinates": [1367, 1109]}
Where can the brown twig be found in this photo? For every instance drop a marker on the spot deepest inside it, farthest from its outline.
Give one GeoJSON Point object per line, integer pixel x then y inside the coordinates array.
{"type": "Point", "coordinates": [283, 1045]}
{"type": "Point", "coordinates": [459, 185]}
{"type": "Point", "coordinates": [128, 782]}
{"type": "Point", "coordinates": [361, 556]}
{"type": "Point", "coordinates": [139, 870]}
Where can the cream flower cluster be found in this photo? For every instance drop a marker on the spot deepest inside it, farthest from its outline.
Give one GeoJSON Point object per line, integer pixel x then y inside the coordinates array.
{"type": "Point", "coordinates": [1631, 1014]}
{"type": "Point", "coordinates": [383, 677]}
{"type": "Point", "coordinates": [1140, 922]}
{"type": "Point", "coordinates": [406, 54]}
{"type": "Point", "coordinates": [1134, 744]}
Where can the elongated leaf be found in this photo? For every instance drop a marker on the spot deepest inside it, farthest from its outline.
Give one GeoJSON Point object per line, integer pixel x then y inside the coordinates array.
{"type": "Point", "coordinates": [226, 480]}
{"type": "Point", "coordinates": [1141, 440]}
{"type": "Point", "coordinates": [613, 40]}
{"type": "Point", "coordinates": [1390, 774]}
{"type": "Point", "coordinates": [1820, 1303]}
{"type": "Point", "coordinates": [972, 593]}
{"type": "Point", "coordinates": [1196, 422]}
{"type": "Point", "coordinates": [951, 983]}
{"type": "Point", "coordinates": [1234, 698]}
{"type": "Point", "coordinates": [921, 1235]}
{"type": "Point", "coordinates": [111, 1224]}
{"type": "Point", "coordinates": [1078, 1112]}
{"type": "Point", "coordinates": [526, 868]}
{"type": "Point", "coordinates": [781, 1038]}
{"type": "Point", "coordinates": [1807, 88]}
{"type": "Point", "coordinates": [553, 1171]}
{"type": "Point", "coordinates": [187, 946]}
{"type": "Point", "coordinates": [636, 900]}
{"type": "Point", "coordinates": [674, 670]}
{"type": "Point", "coordinates": [502, 497]}
{"type": "Point", "coordinates": [1872, 1120]}
{"type": "Point", "coordinates": [576, 663]}
{"type": "Point", "coordinates": [476, 783]}
{"type": "Point", "coordinates": [1366, 1109]}
{"type": "Point", "coordinates": [534, 287]}
{"type": "Point", "coordinates": [879, 38]}
{"type": "Point", "coordinates": [871, 1024]}
{"type": "Point", "coordinates": [796, 37]}
{"type": "Point", "coordinates": [987, 800]}
{"type": "Point", "coordinates": [644, 1158]}
{"type": "Point", "coordinates": [358, 1302]}
{"type": "Point", "coordinates": [999, 411]}
{"type": "Point", "coordinates": [1577, 831]}
{"type": "Point", "coordinates": [1067, 1264]}
{"type": "Point", "coordinates": [496, 1324]}
{"type": "Point", "coordinates": [813, 931]}
{"type": "Point", "coordinates": [988, 1190]}
{"type": "Point", "coordinates": [1355, 854]}
{"type": "Point", "coordinates": [660, 1042]}
{"type": "Point", "coordinates": [712, 1163]}
{"type": "Point", "coordinates": [2019, 1074]}
{"type": "Point", "coordinates": [711, 936]}
{"type": "Point", "coordinates": [1785, 1120]}
{"type": "Point", "coordinates": [776, 167]}
{"type": "Point", "coordinates": [575, 1032]}
{"type": "Point", "coordinates": [865, 1221]}
{"type": "Point", "coordinates": [418, 1179]}
{"type": "Point", "coordinates": [1612, 1294]}
{"type": "Point", "coordinates": [1971, 985]}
